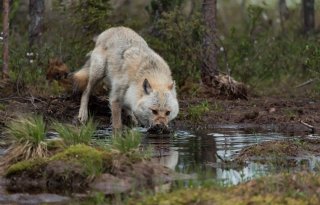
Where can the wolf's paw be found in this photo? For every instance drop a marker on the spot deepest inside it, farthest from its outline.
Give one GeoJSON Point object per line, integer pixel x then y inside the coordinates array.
{"type": "Point", "coordinates": [83, 116]}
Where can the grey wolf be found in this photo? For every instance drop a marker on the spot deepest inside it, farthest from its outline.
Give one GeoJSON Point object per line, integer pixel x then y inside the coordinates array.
{"type": "Point", "coordinates": [139, 80]}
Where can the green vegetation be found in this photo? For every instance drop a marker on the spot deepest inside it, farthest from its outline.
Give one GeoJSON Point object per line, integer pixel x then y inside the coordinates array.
{"type": "Point", "coordinates": [180, 43]}
{"type": "Point", "coordinates": [90, 159]}
{"type": "Point", "coordinates": [197, 111]}
{"type": "Point", "coordinates": [28, 135]}
{"type": "Point", "coordinates": [2, 107]}
{"type": "Point", "coordinates": [127, 142]}
{"type": "Point", "coordinates": [31, 129]}
{"type": "Point", "coordinates": [87, 158]}
{"type": "Point", "coordinates": [279, 189]}
{"type": "Point", "coordinates": [26, 165]}
{"type": "Point", "coordinates": [252, 46]}
{"type": "Point", "coordinates": [72, 135]}
{"type": "Point", "coordinates": [92, 16]}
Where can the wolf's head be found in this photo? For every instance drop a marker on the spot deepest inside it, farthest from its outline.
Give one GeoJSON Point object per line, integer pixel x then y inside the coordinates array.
{"type": "Point", "coordinates": [158, 104]}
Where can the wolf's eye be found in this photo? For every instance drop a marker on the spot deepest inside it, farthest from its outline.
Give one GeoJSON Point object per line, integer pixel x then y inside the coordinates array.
{"type": "Point", "coordinates": [168, 113]}
{"type": "Point", "coordinates": [155, 112]}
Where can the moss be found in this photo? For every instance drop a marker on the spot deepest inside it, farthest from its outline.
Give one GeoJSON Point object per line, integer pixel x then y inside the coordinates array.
{"type": "Point", "coordinates": [26, 165]}
{"type": "Point", "coordinates": [300, 188]}
{"type": "Point", "coordinates": [2, 107]}
{"type": "Point", "coordinates": [88, 157]}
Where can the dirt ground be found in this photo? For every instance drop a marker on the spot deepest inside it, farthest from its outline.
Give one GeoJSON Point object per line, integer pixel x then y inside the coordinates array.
{"type": "Point", "coordinates": [272, 113]}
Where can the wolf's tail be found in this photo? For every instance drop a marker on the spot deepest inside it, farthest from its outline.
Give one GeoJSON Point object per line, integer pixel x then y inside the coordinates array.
{"type": "Point", "coordinates": [80, 77]}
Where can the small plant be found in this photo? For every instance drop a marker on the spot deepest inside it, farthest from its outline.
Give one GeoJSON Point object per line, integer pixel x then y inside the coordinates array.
{"type": "Point", "coordinates": [28, 135]}
{"type": "Point", "coordinates": [2, 106]}
{"type": "Point", "coordinates": [73, 135]}
{"type": "Point", "coordinates": [197, 111]}
{"type": "Point", "coordinates": [290, 113]}
{"type": "Point", "coordinates": [127, 142]}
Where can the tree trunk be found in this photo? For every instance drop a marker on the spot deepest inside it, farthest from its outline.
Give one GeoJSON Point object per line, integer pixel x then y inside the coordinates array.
{"type": "Point", "coordinates": [308, 15]}
{"type": "Point", "coordinates": [36, 12]}
{"type": "Point", "coordinates": [283, 12]}
{"type": "Point", "coordinates": [209, 65]}
{"type": "Point", "coordinates": [5, 23]}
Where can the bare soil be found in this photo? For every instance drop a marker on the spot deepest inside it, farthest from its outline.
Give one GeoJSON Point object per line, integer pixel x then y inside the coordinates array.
{"type": "Point", "coordinates": [265, 114]}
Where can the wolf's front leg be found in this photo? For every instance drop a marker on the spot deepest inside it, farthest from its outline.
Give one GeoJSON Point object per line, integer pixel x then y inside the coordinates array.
{"type": "Point", "coordinates": [116, 116]}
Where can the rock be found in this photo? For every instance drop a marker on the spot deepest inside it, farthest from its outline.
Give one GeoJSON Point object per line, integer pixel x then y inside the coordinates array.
{"type": "Point", "coordinates": [109, 184]}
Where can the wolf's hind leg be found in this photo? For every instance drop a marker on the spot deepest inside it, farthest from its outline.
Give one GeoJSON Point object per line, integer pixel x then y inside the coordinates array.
{"type": "Point", "coordinates": [96, 74]}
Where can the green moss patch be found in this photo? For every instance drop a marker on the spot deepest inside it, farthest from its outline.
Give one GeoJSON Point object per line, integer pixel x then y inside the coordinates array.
{"type": "Point", "coordinates": [89, 158]}
{"type": "Point", "coordinates": [70, 170]}
{"type": "Point", "coordinates": [300, 188]}
{"type": "Point", "coordinates": [27, 165]}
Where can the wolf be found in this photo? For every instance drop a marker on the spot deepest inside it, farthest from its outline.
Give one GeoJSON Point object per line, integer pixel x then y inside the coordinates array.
{"type": "Point", "coordinates": [138, 79]}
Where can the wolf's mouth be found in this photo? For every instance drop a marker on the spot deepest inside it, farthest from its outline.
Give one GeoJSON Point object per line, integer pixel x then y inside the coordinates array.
{"type": "Point", "coordinates": [159, 129]}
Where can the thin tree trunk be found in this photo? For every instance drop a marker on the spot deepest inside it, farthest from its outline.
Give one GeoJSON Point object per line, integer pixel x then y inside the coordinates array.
{"type": "Point", "coordinates": [5, 23]}
{"type": "Point", "coordinates": [283, 12]}
{"type": "Point", "coordinates": [308, 15]}
{"type": "Point", "coordinates": [209, 65]}
{"type": "Point", "coordinates": [36, 12]}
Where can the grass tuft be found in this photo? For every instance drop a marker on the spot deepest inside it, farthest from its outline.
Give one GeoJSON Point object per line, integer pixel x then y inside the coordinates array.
{"type": "Point", "coordinates": [28, 135]}
{"type": "Point", "coordinates": [197, 111]}
{"type": "Point", "coordinates": [127, 142]}
{"type": "Point", "coordinates": [73, 135]}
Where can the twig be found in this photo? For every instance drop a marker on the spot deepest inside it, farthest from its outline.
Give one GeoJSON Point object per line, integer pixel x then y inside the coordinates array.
{"type": "Point", "coordinates": [219, 157]}
{"type": "Point", "coordinates": [305, 83]}
{"type": "Point", "coordinates": [308, 126]}
{"type": "Point", "coordinates": [11, 98]}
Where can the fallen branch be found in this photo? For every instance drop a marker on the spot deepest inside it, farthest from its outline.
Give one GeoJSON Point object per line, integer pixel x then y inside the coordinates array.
{"type": "Point", "coordinates": [308, 126]}
{"type": "Point", "coordinates": [305, 83]}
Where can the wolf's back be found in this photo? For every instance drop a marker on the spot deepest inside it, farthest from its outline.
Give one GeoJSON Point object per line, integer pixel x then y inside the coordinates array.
{"type": "Point", "coordinates": [120, 38]}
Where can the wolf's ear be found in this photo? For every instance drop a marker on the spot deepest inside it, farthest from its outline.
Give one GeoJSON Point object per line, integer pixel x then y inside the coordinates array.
{"type": "Point", "coordinates": [147, 87]}
{"type": "Point", "coordinates": [172, 85]}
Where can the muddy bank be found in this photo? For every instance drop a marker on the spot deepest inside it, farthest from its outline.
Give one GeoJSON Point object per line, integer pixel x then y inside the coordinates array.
{"type": "Point", "coordinates": [80, 168]}
{"type": "Point", "coordinates": [281, 153]}
{"type": "Point", "coordinates": [272, 114]}
{"type": "Point", "coordinates": [276, 114]}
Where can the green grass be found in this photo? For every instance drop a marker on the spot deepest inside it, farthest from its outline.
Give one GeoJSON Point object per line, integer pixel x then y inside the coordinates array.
{"type": "Point", "coordinates": [195, 112]}
{"type": "Point", "coordinates": [76, 134]}
{"type": "Point", "coordinates": [127, 142]}
{"type": "Point", "coordinates": [28, 136]}
{"type": "Point", "coordinates": [31, 129]}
